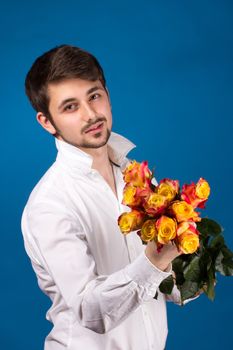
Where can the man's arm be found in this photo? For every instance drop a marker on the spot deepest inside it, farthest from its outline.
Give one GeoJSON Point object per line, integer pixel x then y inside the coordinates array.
{"type": "Point", "coordinates": [56, 240]}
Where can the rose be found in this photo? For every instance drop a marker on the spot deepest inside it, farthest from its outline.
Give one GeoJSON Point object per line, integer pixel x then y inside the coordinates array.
{"type": "Point", "coordinates": [188, 243]}
{"type": "Point", "coordinates": [130, 221]}
{"type": "Point", "coordinates": [184, 211]}
{"type": "Point", "coordinates": [196, 195]}
{"type": "Point", "coordinates": [188, 194]}
{"type": "Point", "coordinates": [130, 197]}
{"type": "Point", "coordinates": [155, 204]}
{"type": "Point", "coordinates": [168, 188]}
{"type": "Point", "coordinates": [148, 231]}
{"type": "Point", "coordinates": [187, 237]}
{"type": "Point", "coordinates": [138, 174]}
{"type": "Point", "coordinates": [166, 228]}
{"type": "Point", "coordinates": [202, 191]}
{"type": "Point", "coordinates": [174, 184]}
{"type": "Point", "coordinates": [134, 196]}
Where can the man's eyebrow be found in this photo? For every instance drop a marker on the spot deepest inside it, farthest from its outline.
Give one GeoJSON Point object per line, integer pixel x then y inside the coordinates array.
{"type": "Point", "coordinates": [71, 99]}
{"type": "Point", "coordinates": [94, 88]}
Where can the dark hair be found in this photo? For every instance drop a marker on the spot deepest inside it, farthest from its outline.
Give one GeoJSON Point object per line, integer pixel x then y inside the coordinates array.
{"type": "Point", "coordinates": [60, 63]}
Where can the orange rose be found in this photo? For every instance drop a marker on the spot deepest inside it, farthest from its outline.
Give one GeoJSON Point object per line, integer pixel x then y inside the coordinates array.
{"type": "Point", "coordinates": [138, 174]}
{"type": "Point", "coordinates": [188, 238]}
{"type": "Point", "coordinates": [184, 211]}
{"type": "Point", "coordinates": [131, 221]}
{"type": "Point", "coordinates": [148, 231]}
{"type": "Point", "coordinates": [196, 195]}
{"type": "Point", "coordinates": [166, 228]}
{"type": "Point", "coordinates": [155, 203]}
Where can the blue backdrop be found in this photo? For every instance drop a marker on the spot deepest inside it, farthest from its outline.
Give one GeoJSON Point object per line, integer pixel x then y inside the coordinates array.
{"type": "Point", "coordinates": [169, 69]}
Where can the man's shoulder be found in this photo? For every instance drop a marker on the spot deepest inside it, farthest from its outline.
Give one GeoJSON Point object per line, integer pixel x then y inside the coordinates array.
{"type": "Point", "coordinates": [50, 187]}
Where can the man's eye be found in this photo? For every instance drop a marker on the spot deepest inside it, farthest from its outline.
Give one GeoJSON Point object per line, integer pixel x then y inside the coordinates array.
{"type": "Point", "coordinates": [95, 96]}
{"type": "Point", "coordinates": [71, 107]}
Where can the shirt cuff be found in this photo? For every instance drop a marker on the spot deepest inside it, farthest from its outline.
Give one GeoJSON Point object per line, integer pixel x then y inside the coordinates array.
{"type": "Point", "coordinates": [147, 276]}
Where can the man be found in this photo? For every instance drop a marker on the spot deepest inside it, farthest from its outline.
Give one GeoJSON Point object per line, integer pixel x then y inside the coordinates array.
{"type": "Point", "coordinates": [101, 283]}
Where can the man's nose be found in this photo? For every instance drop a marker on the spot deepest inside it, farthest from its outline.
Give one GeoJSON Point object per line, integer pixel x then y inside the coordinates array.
{"type": "Point", "coordinates": [87, 112]}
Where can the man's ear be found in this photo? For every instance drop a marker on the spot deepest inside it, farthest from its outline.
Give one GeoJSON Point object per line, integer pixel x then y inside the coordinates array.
{"type": "Point", "coordinates": [45, 123]}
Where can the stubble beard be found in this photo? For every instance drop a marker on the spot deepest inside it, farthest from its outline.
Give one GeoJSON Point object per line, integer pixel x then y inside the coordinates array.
{"type": "Point", "coordinates": [86, 144]}
{"type": "Point", "coordinates": [96, 136]}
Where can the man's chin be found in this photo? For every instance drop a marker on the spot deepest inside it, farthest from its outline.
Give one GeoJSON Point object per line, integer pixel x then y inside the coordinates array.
{"type": "Point", "coordinates": [98, 142]}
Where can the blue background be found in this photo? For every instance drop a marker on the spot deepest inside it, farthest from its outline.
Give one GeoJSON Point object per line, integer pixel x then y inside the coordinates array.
{"type": "Point", "coordinates": [169, 69]}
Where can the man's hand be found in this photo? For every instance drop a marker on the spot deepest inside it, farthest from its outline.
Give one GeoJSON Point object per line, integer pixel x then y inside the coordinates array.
{"type": "Point", "coordinates": [162, 259]}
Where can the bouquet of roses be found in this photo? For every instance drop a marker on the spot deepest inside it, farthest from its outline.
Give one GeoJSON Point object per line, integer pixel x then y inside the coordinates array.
{"type": "Point", "coordinates": [166, 213]}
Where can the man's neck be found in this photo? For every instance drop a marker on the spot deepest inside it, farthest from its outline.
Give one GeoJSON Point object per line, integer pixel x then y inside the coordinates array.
{"type": "Point", "coordinates": [100, 157]}
{"type": "Point", "coordinates": [102, 164]}
{"type": "Point", "coordinates": [101, 160]}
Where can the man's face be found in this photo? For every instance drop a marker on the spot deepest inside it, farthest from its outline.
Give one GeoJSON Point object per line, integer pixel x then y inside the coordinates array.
{"type": "Point", "coordinates": [81, 112]}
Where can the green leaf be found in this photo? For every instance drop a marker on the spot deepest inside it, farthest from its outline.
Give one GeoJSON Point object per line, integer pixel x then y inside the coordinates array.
{"type": "Point", "coordinates": [167, 285]}
{"type": "Point", "coordinates": [205, 262]}
{"type": "Point", "coordinates": [209, 227]}
{"type": "Point", "coordinates": [192, 272]}
{"type": "Point", "coordinates": [188, 290]}
{"type": "Point", "coordinates": [210, 285]}
{"type": "Point", "coordinates": [217, 242]}
{"type": "Point", "coordinates": [228, 267]}
{"type": "Point", "coordinates": [177, 267]}
{"type": "Point", "coordinates": [228, 254]}
{"type": "Point", "coordinates": [224, 265]}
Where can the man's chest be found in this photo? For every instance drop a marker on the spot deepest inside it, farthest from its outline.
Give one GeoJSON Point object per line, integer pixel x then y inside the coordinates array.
{"type": "Point", "coordinates": [98, 209]}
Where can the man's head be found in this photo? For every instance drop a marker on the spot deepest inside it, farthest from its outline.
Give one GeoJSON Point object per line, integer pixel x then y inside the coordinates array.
{"type": "Point", "coordinates": [61, 63]}
{"type": "Point", "coordinates": [66, 86]}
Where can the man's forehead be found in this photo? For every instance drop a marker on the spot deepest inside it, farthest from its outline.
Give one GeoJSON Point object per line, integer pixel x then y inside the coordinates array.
{"type": "Point", "coordinates": [72, 86]}
{"type": "Point", "coordinates": [73, 81]}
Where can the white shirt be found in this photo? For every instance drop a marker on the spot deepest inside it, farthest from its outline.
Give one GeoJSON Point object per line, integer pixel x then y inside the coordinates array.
{"type": "Point", "coordinates": [100, 282]}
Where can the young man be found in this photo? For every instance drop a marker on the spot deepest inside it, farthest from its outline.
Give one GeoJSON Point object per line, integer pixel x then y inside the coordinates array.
{"type": "Point", "coordinates": [101, 283]}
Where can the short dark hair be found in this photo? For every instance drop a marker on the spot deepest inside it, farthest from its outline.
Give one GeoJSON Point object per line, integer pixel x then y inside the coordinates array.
{"type": "Point", "coordinates": [60, 63]}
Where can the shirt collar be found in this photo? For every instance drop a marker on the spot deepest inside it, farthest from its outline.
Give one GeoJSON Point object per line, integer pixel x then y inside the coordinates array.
{"type": "Point", "coordinates": [118, 148]}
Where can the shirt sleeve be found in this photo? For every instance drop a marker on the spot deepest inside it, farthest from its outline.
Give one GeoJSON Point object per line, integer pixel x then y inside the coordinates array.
{"type": "Point", "coordinates": [55, 241]}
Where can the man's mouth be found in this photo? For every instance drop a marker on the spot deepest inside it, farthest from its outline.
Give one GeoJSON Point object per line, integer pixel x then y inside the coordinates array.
{"type": "Point", "coordinates": [95, 127]}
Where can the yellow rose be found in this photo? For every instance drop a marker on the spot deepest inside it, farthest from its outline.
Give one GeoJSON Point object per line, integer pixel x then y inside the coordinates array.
{"type": "Point", "coordinates": [202, 189]}
{"type": "Point", "coordinates": [130, 197]}
{"type": "Point", "coordinates": [188, 237]}
{"type": "Point", "coordinates": [184, 211]}
{"type": "Point", "coordinates": [155, 203]}
{"type": "Point", "coordinates": [148, 231]}
{"type": "Point", "coordinates": [167, 191]}
{"type": "Point", "coordinates": [166, 228]}
{"type": "Point", "coordinates": [188, 243]}
{"type": "Point", "coordinates": [130, 221]}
